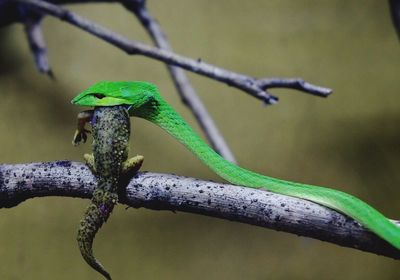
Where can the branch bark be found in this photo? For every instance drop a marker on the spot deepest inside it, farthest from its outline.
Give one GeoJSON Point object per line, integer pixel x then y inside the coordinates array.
{"type": "Point", "coordinates": [20, 182]}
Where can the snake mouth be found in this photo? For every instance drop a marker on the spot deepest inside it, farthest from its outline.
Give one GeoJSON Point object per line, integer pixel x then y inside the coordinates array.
{"type": "Point", "coordinates": [98, 99]}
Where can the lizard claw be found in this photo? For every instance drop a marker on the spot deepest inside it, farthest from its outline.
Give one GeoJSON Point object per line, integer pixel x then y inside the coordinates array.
{"type": "Point", "coordinates": [80, 135]}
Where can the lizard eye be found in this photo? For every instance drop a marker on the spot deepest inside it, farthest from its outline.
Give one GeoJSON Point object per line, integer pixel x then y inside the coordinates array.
{"type": "Point", "coordinates": [99, 95]}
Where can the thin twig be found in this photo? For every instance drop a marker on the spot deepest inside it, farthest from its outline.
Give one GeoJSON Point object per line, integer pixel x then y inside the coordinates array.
{"type": "Point", "coordinates": [37, 45]}
{"type": "Point", "coordinates": [20, 182]}
{"type": "Point", "coordinates": [245, 83]}
{"type": "Point", "coordinates": [294, 83]}
{"type": "Point", "coordinates": [187, 93]}
{"type": "Point", "coordinates": [394, 6]}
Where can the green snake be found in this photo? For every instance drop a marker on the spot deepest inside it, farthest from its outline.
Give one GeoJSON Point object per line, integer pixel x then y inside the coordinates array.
{"type": "Point", "coordinates": [143, 100]}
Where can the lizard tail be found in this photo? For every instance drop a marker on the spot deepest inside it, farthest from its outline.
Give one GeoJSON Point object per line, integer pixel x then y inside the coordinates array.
{"type": "Point", "coordinates": [95, 216]}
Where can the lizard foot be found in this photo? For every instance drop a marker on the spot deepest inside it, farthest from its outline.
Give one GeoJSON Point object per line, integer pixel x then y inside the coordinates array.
{"type": "Point", "coordinates": [79, 136]}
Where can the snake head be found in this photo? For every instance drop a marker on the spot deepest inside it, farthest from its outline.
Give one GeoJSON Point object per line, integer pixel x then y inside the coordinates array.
{"type": "Point", "coordinates": [107, 93]}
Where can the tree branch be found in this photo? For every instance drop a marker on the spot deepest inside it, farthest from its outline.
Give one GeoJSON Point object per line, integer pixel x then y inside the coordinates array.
{"type": "Point", "coordinates": [394, 6]}
{"type": "Point", "coordinates": [20, 182]}
{"type": "Point", "coordinates": [240, 81]}
{"type": "Point", "coordinates": [187, 93]}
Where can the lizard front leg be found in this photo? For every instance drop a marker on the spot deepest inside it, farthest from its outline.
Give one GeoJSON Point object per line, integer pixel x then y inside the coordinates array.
{"type": "Point", "coordinates": [131, 166]}
{"type": "Point", "coordinates": [81, 132]}
{"type": "Point", "coordinates": [89, 160]}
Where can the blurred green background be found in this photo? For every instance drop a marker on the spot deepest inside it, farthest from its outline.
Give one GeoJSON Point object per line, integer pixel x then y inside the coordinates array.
{"type": "Point", "coordinates": [349, 141]}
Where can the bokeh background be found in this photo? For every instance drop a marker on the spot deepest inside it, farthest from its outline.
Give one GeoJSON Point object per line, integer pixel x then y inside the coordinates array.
{"type": "Point", "coordinates": [349, 141]}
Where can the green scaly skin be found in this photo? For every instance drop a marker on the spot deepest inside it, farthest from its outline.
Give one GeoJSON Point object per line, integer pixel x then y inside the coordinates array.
{"type": "Point", "coordinates": [146, 102]}
{"type": "Point", "coordinates": [111, 131]}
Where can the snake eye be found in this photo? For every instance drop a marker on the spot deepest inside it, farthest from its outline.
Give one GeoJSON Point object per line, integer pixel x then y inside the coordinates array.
{"type": "Point", "coordinates": [99, 95]}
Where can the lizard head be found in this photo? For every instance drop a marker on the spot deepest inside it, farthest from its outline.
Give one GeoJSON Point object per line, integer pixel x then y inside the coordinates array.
{"type": "Point", "coordinates": [107, 93]}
